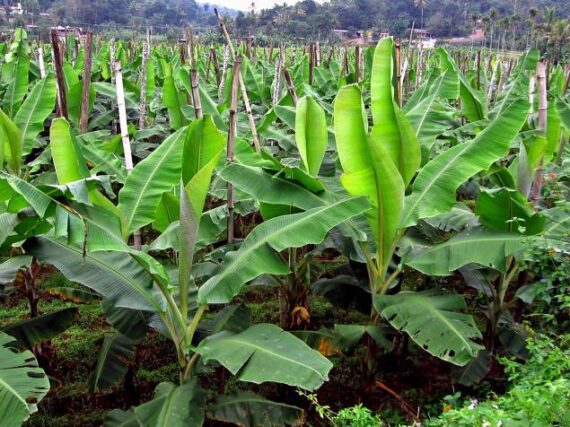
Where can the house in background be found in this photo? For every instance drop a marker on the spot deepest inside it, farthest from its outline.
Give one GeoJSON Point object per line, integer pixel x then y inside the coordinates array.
{"type": "Point", "coordinates": [14, 10]}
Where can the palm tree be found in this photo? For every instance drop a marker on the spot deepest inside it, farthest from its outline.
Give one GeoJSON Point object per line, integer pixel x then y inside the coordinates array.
{"type": "Point", "coordinates": [422, 4]}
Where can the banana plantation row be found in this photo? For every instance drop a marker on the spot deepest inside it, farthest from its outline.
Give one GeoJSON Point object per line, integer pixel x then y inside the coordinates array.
{"type": "Point", "coordinates": [171, 181]}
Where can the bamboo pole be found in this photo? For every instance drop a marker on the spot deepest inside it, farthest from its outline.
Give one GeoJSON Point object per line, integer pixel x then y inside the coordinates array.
{"type": "Point", "coordinates": [399, 70]}
{"type": "Point", "coordinates": [41, 63]}
{"type": "Point", "coordinates": [243, 88]}
{"type": "Point", "coordinates": [277, 79]}
{"type": "Point", "coordinates": [311, 62]}
{"type": "Point", "coordinates": [144, 81]}
{"type": "Point", "coordinates": [542, 124]}
{"type": "Point", "coordinates": [112, 57]}
{"type": "Point", "coordinates": [356, 63]}
{"type": "Point", "coordinates": [196, 94]}
{"type": "Point", "coordinates": [84, 118]}
{"type": "Point", "coordinates": [137, 243]}
{"type": "Point", "coordinates": [478, 69]}
{"type": "Point", "coordinates": [232, 133]}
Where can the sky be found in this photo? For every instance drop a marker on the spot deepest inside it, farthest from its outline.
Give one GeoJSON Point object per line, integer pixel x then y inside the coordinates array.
{"type": "Point", "coordinates": [246, 4]}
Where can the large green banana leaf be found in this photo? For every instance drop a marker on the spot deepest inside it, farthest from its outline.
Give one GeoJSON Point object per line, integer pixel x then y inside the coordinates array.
{"type": "Point", "coordinates": [481, 247]}
{"type": "Point", "coordinates": [18, 85]}
{"type": "Point", "coordinates": [35, 110]}
{"type": "Point", "coordinates": [257, 253]}
{"type": "Point", "coordinates": [68, 163]}
{"type": "Point", "coordinates": [472, 105]}
{"type": "Point", "coordinates": [368, 170]}
{"type": "Point", "coordinates": [311, 133]}
{"type": "Point", "coordinates": [508, 210]}
{"type": "Point", "coordinates": [12, 143]}
{"type": "Point", "coordinates": [251, 410]}
{"type": "Point", "coordinates": [114, 275]}
{"type": "Point", "coordinates": [391, 129]}
{"type": "Point", "coordinates": [21, 381]}
{"type": "Point", "coordinates": [434, 188]}
{"type": "Point", "coordinates": [202, 149]}
{"type": "Point", "coordinates": [155, 175]}
{"type": "Point", "coordinates": [271, 188]}
{"type": "Point", "coordinates": [111, 365]}
{"type": "Point", "coordinates": [70, 167]}
{"type": "Point", "coordinates": [434, 322]}
{"type": "Point", "coordinates": [265, 353]}
{"type": "Point", "coordinates": [172, 100]}
{"type": "Point", "coordinates": [37, 329]}
{"type": "Point", "coordinates": [172, 406]}
{"type": "Point", "coordinates": [431, 116]}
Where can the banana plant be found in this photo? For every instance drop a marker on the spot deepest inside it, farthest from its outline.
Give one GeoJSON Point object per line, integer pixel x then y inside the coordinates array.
{"type": "Point", "coordinates": [382, 162]}
{"type": "Point", "coordinates": [88, 244]}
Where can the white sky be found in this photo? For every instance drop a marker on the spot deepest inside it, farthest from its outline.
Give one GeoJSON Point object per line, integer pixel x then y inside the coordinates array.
{"type": "Point", "coordinates": [246, 4]}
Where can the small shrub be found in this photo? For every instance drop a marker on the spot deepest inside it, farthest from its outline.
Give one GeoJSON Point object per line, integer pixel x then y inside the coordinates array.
{"type": "Point", "coordinates": [539, 393]}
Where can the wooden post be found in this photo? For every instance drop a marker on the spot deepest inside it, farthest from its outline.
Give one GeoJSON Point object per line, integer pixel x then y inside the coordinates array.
{"type": "Point", "coordinates": [58, 65]}
{"type": "Point", "coordinates": [542, 123]}
{"type": "Point", "coordinates": [216, 64]}
{"type": "Point", "coordinates": [290, 85]}
{"type": "Point", "coordinates": [137, 243]}
{"type": "Point", "coordinates": [84, 118]}
{"type": "Point", "coordinates": [232, 133]}
{"type": "Point", "coordinates": [330, 56]}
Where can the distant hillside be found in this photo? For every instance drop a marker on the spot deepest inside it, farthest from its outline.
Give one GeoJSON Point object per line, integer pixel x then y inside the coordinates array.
{"type": "Point", "coordinates": [443, 18]}
{"type": "Point", "coordinates": [161, 14]}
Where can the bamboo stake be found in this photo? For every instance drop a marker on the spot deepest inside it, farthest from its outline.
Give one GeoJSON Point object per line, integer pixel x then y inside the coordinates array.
{"type": "Point", "coordinates": [125, 135]}
{"type": "Point", "coordinates": [356, 63]}
{"type": "Point", "coordinates": [232, 133]}
{"type": "Point", "coordinates": [479, 69]}
{"type": "Point", "coordinates": [311, 62]}
{"type": "Point", "coordinates": [221, 86]}
{"type": "Point", "coordinates": [41, 63]}
{"type": "Point", "coordinates": [196, 94]}
{"type": "Point", "coordinates": [57, 62]}
{"type": "Point", "coordinates": [112, 57]}
{"type": "Point", "coordinates": [84, 118]}
{"type": "Point", "coordinates": [241, 83]}
{"type": "Point", "coordinates": [399, 70]}
{"type": "Point", "coordinates": [144, 81]}
{"type": "Point", "coordinates": [542, 123]}
{"type": "Point", "coordinates": [277, 80]}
